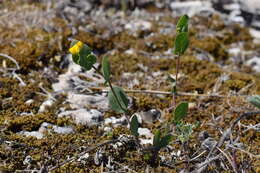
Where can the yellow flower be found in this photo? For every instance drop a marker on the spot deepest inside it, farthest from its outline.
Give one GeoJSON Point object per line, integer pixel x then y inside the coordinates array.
{"type": "Point", "coordinates": [76, 48]}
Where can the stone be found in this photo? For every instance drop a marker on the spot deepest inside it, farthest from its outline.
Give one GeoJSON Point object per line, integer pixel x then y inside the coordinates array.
{"type": "Point", "coordinates": [85, 117]}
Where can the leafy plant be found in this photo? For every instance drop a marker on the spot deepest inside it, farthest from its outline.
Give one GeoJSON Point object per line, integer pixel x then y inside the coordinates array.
{"type": "Point", "coordinates": [82, 55]}
{"type": "Point", "coordinates": [183, 131]}
{"type": "Point", "coordinates": [181, 44]}
{"type": "Point", "coordinates": [118, 100]}
{"type": "Point", "coordinates": [161, 142]}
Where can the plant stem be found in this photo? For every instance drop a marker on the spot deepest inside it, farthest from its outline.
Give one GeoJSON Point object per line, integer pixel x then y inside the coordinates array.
{"type": "Point", "coordinates": [176, 80]}
{"type": "Point", "coordinates": [114, 93]}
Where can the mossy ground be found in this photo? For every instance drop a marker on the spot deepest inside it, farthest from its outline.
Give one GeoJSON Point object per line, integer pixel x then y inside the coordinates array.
{"type": "Point", "coordinates": [35, 50]}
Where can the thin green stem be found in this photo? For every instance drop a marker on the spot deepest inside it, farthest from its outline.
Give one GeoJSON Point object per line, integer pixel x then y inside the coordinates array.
{"type": "Point", "coordinates": [114, 93]}
{"type": "Point", "coordinates": [174, 97]}
{"type": "Point", "coordinates": [177, 71]}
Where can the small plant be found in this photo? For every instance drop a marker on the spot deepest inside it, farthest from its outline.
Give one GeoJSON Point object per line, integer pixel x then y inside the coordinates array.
{"type": "Point", "coordinates": [181, 44]}
{"type": "Point", "coordinates": [118, 100]}
{"type": "Point", "coordinates": [83, 56]}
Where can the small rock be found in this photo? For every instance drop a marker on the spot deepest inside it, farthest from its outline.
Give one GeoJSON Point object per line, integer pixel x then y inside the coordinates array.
{"type": "Point", "coordinates": [28, 160]}
{"type": "Point", "coordinates": [150, 116]}
{"type": "Point", "coordinates": [57, 129]}
{"type": "Point", "coordinates": [192, 105]}
{"type": "Point", "coordinates": [115, 121]}
{"type": "Point", "coordinates": [208, 143]}
{"type": "Point", "coordinates": [30, 101]}
{"type": "Point", "coordinates": [203, 135]}
{"type": "Point", "coordinates": [79, 101]}
{"type": "Point", "coordinates": [251, 6]}
{"type": "Point", "coordinates": [190, 7]}
{"type": "Point", "coordinates": [138, 25]}
{"type": "Point", "coordinates": [146, 141]}
{"type": "Point", "coordinates": [36, 134]}
{"type": "Point", "coordinates": [254, 63]}
{"type": "Point", "coordinates": [85, 117]}
{"type": "Point", "coordinates": [46, 104]}
{"type": "Point", "coordinates": [107, 129]}
{"type": "Point", "coordinates": [100, 157]}
{"type": "Point", "coordinates": [145, 132]}
{"type": "Point", "coordinates": [234, 51]}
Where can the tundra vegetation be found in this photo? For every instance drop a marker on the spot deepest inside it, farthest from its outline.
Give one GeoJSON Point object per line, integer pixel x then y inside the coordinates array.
{"type": "Point", "coordinates": [205, 99]}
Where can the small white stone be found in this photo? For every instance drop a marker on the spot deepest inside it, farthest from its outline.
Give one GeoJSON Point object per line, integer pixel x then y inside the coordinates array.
{"type": "Point", "coordinates": [83, 116]}
{"type": "Point", "coordinates": [115, 121]}
{"type": "Point", "coordinates": [62, 130]}
{"type": "Point", "coordinates": [150, 116]}
{"type": "Point", "coordinates": [146, 141]}
{"type": "Point", "coordinates": [107, 129]}
{"type": "Point", "coordinates": [254, 63]}
{"type": "Point", "coordinates": [130, 51]}
{"type": "Point", "coordinates": [36, 134]}
{"type": "Point", "coordinates": [192, 105]}
{"type": "Point", "coordinates": [80, 101]}
{"type": "Point", "coordinates": [234, 51]}
{"type": "Point", "coordinates": [46, 104]}
{"type": "Point", "coordinates": [139, 25]}
{"type": "Point", "coordinates": [145, 132]}
{"type": "Point", "coordinates": [30, 101]}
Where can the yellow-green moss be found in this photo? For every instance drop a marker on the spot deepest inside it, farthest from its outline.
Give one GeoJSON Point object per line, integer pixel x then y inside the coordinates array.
{"type": "Point", "coordinates": [211, 45]}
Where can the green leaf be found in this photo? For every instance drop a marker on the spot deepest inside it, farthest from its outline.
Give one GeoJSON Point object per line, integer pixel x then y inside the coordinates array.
{"type": "Point", "coordinates": [165, 140]}
{"type": "Point", "coordinates": [75, 58]}
{"type": "Point", "coordinates": [180, 111]}
{"type": "Point", "coordinates": [106, 68]}
{"type": "Point", "coordinates": [85, 51]}
{"type": "Point", "coordinates": [122, 98]}
{"type": "Point", "coordinates": [255, 100]}
{"type": "Point", "coordinates": [157, 138]}
{"type": "Point", "coordinates": [87, 61]}
{"type": "Point", "coordinates": [182, 25]}
{"type": "Point", "coordinates": [134, 126]}
{"type": "Point", "coordinates": [181, 43]}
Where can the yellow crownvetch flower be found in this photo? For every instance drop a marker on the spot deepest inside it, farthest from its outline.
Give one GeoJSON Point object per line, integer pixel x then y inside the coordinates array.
{"type": "Point", "coordinates": [76, 48]}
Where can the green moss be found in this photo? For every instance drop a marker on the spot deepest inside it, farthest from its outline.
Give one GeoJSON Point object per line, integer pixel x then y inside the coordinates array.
{"type": "Point", "coordinates": [29, 123]}
{"type": "Point", "coordinates": [211, 45]}
{"type": "Point", "coordinates": [238, 81]}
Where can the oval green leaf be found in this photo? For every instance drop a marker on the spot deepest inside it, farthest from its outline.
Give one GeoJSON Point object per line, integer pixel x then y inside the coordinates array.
{"type": "Point", "coordinates": [121, 97]}
{"type": "Point", "coordinates": [106, 68]}
{"type": "Point", "coordinates": [134, 126]}
{"type": "Point", "coordinates": [181, 43]}
{"type": "Point", "coordinates": [75, 58]}
{"type": "Point", "coordinates": [180, 111]}
{"type": "Point", "coordinates": [165, 141]}
{"type": "Point", "coordinates": [182, 24]}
